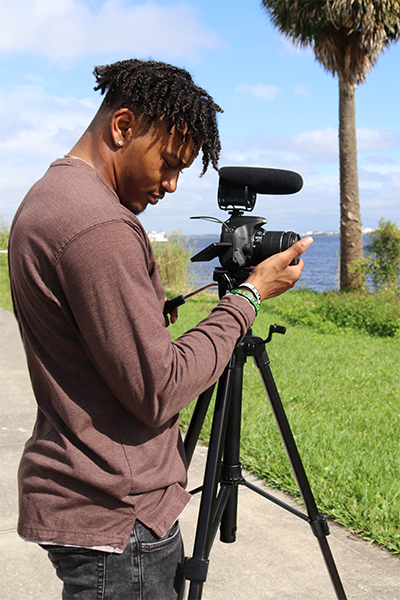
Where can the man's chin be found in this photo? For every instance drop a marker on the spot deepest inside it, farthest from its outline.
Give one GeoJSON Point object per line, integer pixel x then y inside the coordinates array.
{"type": "Point", "coordinates": [136, 211]}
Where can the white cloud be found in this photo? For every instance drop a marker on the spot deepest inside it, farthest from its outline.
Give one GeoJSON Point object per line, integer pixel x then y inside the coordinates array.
{"type": "Point", "coordinates": [301, 90]}
{"type": "Point", "coordinates": [66, 29]}
{"type": "Point", "coordinates": [322, 143]}
{"type": "Point", "coordinates": [376, 139]}
{"type": "Point", "coordinates": [258, 90]}
{"type": "Point", "coordinates": [35, 129]}
{"type": "Point", "coordinates": [39, 116]}
{"type": "Point", "coordinates": [317, 146]}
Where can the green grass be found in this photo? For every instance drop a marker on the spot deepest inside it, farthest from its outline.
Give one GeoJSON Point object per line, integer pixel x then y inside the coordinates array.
{"type": "Point", "coordinates": [341, 393]}
{"type": "Point", "coordinates": [5, 294]}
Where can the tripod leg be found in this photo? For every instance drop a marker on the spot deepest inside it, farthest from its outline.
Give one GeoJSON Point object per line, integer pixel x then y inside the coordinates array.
{"type": "Point", "coordinates": [231, 469]}
{"type": "Point", "coordinates": [196, 422]}
{"type": "Point", "coordinates": [196, 567]}
{"type": "Point", "coordinates": [317, 521]}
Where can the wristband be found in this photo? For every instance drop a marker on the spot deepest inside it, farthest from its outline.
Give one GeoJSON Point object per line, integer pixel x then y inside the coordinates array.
{"type": "Point", "coordinates": [253, 289]}
{"type": "Point", "coordinates": [249, 296]}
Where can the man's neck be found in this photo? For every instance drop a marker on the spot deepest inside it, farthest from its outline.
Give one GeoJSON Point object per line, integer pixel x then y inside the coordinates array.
{"type": "Point", "coordinates": [93, 150]}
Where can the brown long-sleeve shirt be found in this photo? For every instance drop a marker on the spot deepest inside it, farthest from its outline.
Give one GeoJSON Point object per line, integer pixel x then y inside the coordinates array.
{"type": "Point", "coordinates": [108, 380]}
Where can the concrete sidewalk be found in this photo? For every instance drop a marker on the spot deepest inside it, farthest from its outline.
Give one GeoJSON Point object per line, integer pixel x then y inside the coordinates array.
{"type": "Point", "coordinates": [275, 556]}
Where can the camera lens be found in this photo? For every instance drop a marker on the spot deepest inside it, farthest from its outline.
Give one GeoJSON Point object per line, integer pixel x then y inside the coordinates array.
{"type": "Point", "coordinates": [267, 243]}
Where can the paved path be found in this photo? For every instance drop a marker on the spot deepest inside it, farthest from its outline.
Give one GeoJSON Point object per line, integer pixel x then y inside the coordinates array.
{"type": "Point", "coordinates": [275, 555]}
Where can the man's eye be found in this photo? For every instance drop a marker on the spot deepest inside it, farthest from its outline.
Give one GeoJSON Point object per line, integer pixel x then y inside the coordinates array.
{"type": "Point", "coordinates": [174, 167]}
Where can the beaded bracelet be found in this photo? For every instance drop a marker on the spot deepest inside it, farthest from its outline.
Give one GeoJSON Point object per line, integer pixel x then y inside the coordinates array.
{"type": "Point", "coordinates": [249, 296]}
{"type": "Point", "coordinates": [253, 289]}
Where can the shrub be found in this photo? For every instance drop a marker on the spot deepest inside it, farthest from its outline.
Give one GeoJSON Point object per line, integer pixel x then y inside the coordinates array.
{"type": "Point", "coordinates": [4, 235]}
{"type": "Point", "coordinates": [329, 312]}
{"type": "Point", "coordinates": [5, 293]}
{"type": "Point", "coordinates": [172, 259]}
{"type": "Point", "coordinates": [377, 314]}
{"type": "Point", "coordinates": [382, 263]}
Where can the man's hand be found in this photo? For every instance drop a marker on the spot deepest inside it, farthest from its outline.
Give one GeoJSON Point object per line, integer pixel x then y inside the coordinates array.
{"type": "Point", "coordinates": [275, 275]}
{"type": "Point", "coordinates": [170, 317]}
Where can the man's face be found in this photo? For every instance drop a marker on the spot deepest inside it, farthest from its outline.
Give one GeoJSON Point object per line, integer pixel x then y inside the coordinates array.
{"type": "Point", "coordinates": [149, 165]}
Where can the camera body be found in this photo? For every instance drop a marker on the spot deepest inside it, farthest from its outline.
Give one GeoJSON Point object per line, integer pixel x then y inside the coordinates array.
{"type": "Point", "coordinates": [248, 244]}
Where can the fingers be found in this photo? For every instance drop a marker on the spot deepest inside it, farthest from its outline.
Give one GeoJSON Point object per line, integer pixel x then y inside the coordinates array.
{"type": "Point", "coordinates": [276, 275]}
{"type": "Point", "coordinates": [287, 257]}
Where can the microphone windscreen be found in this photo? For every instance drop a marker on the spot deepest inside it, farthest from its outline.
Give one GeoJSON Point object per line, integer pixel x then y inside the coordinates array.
{"type": "Point", "coordinates": [262, 180]}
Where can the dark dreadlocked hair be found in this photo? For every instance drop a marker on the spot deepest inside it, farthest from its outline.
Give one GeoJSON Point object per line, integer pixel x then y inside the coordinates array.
{"type": "Point", "coordinates": [160, 90]}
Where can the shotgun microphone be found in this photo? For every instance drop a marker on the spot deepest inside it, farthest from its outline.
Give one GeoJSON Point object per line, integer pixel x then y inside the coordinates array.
{"type": "Point", "coordinates": [261, 180]}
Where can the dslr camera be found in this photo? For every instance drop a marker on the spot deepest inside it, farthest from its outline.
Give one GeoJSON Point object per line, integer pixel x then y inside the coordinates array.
{"type": "Point", "coordinates": [243, 242]}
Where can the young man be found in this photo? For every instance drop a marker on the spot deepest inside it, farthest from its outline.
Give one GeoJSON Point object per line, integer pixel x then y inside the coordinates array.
{"type": "Point", "coordinates": [102, 479]}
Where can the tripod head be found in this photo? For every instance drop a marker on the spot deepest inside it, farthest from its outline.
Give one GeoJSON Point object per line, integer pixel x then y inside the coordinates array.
{"type": "Point", "coordinates": [229, 280]}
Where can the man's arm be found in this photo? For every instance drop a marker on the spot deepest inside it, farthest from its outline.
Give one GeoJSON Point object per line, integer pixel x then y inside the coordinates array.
{"type": "Point", "coordinates": [105, 275]}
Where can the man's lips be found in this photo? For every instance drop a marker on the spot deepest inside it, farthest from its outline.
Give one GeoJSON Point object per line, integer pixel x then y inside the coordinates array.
{"type": "Point", "coordinates": [154, 198]}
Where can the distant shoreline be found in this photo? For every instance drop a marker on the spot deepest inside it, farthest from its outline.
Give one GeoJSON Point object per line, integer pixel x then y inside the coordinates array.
{"type": "Point", "coordinates": [366, 232]}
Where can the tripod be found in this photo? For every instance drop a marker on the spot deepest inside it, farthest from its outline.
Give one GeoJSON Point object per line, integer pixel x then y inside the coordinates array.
{"type": "Point", "coordinates": [221, 509]}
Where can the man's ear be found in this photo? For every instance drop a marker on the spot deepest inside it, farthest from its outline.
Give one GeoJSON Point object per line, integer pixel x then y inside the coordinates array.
{"type": "Point", "coordinates": [122, 123]}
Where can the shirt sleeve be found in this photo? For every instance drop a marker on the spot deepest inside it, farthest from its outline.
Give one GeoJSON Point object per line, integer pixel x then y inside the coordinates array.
{"type": "Point", "coordinates": [114, 299]}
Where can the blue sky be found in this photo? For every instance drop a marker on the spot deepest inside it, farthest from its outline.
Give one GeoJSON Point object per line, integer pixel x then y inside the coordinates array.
{"type": "Point", "coordinates": [280, 106]}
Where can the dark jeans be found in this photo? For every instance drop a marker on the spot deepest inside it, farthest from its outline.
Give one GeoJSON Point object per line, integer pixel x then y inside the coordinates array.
{"type": "Point", "coordinates": [150, 568]}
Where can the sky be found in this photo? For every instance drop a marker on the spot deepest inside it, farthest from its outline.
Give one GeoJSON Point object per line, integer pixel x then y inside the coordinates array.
{"type": "Point", "coordinates": [280, 106]}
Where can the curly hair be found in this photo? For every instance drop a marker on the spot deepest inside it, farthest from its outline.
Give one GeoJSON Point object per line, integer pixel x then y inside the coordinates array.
{"type": "Point", "coordinates": [158, 90]}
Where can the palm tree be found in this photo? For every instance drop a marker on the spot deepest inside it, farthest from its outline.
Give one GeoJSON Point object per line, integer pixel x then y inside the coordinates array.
{"type": "Point", "coordinates": [347, 37]}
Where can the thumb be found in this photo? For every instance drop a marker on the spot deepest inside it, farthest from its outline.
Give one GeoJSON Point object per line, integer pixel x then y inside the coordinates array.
{"type": "Point", "coordinates": [298, 248]}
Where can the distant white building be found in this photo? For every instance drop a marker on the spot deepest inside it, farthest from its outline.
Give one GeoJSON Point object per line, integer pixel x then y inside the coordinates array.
{"type": "Point", "coordinates": [157, 237]}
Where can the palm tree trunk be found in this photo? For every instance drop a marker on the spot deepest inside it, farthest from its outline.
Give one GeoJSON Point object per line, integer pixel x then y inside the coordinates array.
{"type": "Point", "coordinates": [351, 242]}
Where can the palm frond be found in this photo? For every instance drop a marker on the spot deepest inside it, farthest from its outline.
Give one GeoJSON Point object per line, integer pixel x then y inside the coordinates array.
{"type": "Point", "coordinates": [347, 36]}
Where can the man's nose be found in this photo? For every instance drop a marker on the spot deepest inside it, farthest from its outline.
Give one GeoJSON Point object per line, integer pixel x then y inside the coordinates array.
{"type": "Point", "coordinates": [170, 184]}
